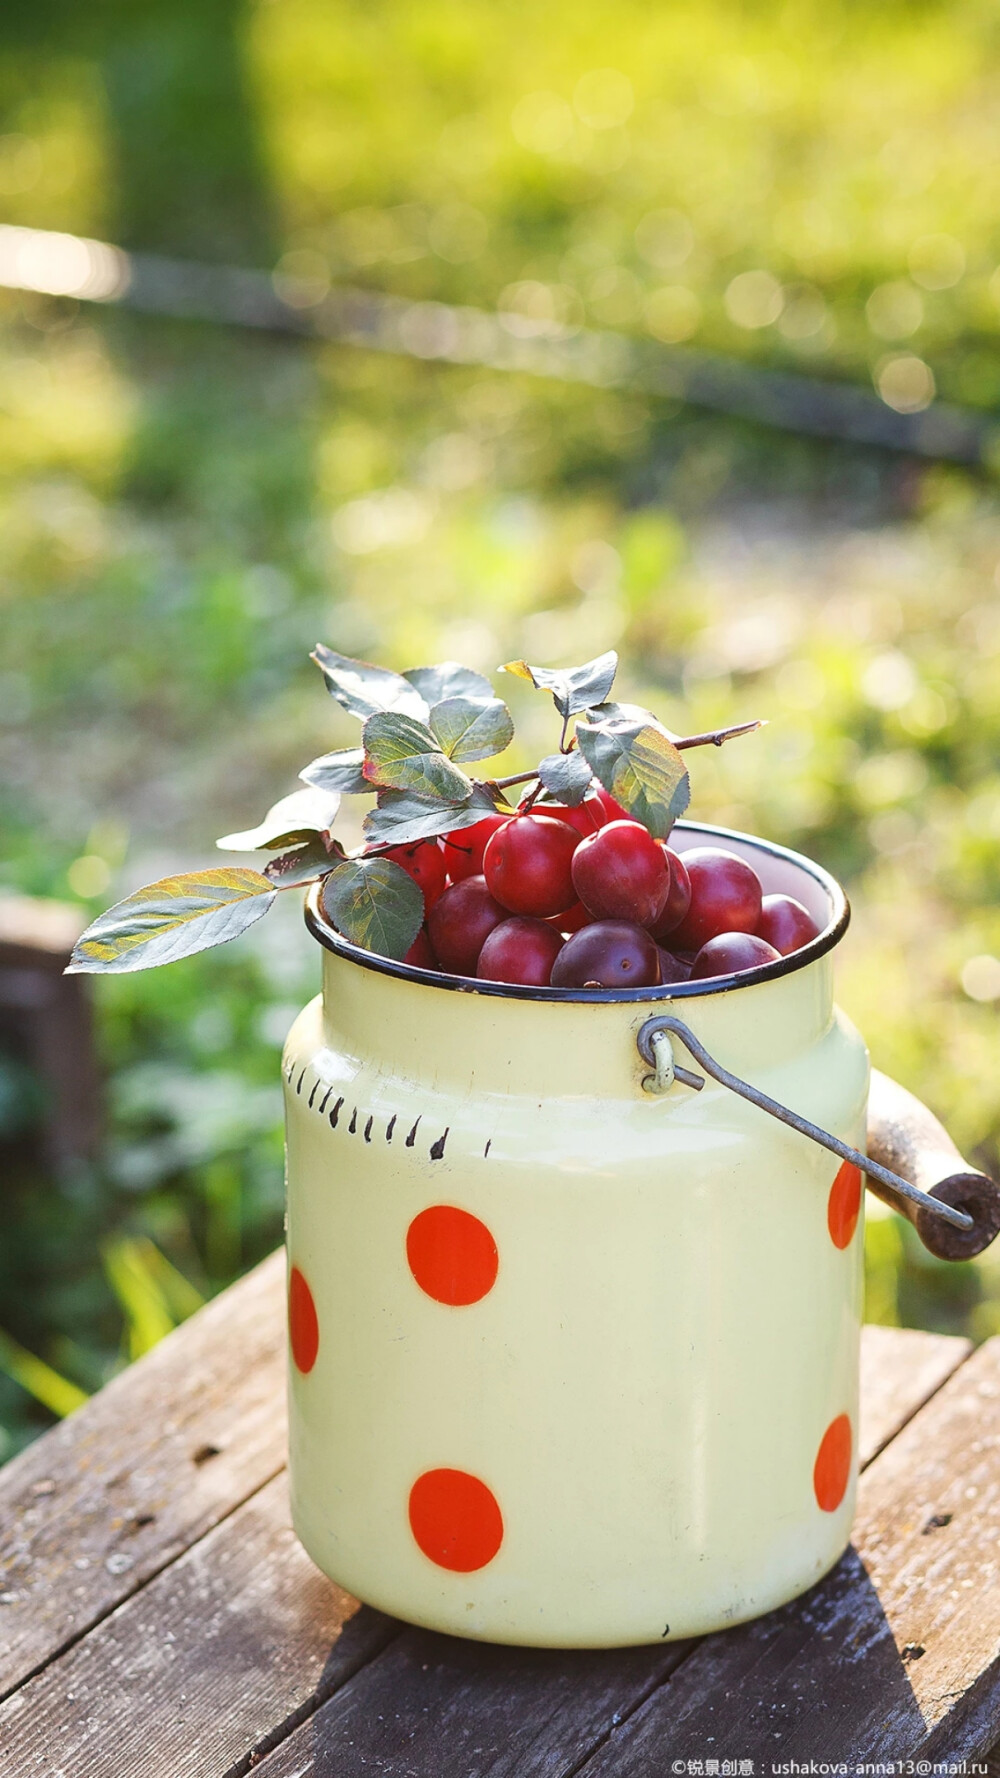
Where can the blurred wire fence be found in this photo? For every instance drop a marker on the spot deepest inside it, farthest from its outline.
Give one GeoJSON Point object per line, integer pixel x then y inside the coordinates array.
{"type": "Point", "coordinates": [56, 264]}
{"type": "Point", "coordinates": [534, 281]}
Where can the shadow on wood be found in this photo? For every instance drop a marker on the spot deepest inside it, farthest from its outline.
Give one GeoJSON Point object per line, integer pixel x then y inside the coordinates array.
{"type": "Point", "coordinates": [436, 1705]}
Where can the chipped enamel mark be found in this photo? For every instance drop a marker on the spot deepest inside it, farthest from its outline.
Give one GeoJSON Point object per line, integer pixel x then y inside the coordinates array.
{"type": "Point", "coordinates": [335, 1113]}
{"type": "Point", "coordinates": [322, 1103]}
{"type": "Point", "coordinates": [368, 1128]}
{"type": "Point", "coordinates": [312, 1095]}
{"type": "Point", "coordinates": [298, 1083]}
{"type": "Point", "coordinates": [352, 1127]}
{"type": "Point", "coordinates": [437, 1148]}
{"type": "Point", "coordinates": [390, 1126]}
{"type": "Point", "coordinates": [412, 1137]}
{"type": "Point", "coordinates": [486, 1150]}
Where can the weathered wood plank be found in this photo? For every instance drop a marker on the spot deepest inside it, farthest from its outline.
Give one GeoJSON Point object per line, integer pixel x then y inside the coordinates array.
{"type": "Point", "coordinates": [898, 1376]}
{"type": "Point", "coordinates": [103, 1501]}
{"type": "Point", "coordinates": [436, 1707]}
{"type": "Point", "coordinates": [896, 1655]}
{"type": "Point", "coordinates": [433, 1707]}
{"type": "Point", "coordinates": [213, 1661]}
{"type": "Point", "coordinates": [221, 1655]}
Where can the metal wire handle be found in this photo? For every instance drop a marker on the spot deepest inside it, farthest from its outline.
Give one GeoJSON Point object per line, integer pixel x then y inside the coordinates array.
{"type": "Point", "coordinates": [655, 1047]}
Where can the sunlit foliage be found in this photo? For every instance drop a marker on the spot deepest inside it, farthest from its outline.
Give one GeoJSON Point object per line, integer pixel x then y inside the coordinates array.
{"type": "Point", "coordinates": [185, 511]}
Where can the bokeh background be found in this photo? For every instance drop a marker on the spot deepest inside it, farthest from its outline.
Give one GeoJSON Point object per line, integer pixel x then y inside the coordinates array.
{"type": "Point", "coordinates": [187, 507]}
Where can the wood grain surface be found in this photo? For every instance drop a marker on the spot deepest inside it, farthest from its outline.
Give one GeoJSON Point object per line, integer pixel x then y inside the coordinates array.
{"type": "Point", "coordinates": [896, 1655]}
{"type": "Point", "coordinates": [94, 1508]}
{"type": "Point", "coordinates": [213, 1661]}
{"type": "Point", "coordinates": [436, 1707]}
{"type": "Point", "coordinates": [219, 1649]}
{"type": "Point", "coordinates": [897, 1376]}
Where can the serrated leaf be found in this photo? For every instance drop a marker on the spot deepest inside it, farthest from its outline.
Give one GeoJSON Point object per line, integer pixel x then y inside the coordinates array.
{"type": "Point", "coordinates": [374, 903]}
{"type": "Point", "coordinates": [605, 713]}
{"type": "Point", "coordinates": [448, 680]}
{"type": "Point", "coordinates": [306, 864]}
{"type": "Point", "coordinates": [401, 819]}
{"type": "Point", "coordinates": [472, 728]}
{"type": "Point", "coordinates": [362, 688]}
{"type": "Point", "coordinates": [339, 771]}
{"type": "Point", "coordinates": [641, 768]}
{"type": "Point", "coordinates": [401, 754]}
{"type": "Point", "coordinates": [174, 917]}
{"type": "Point", "coordinates": [294, 818]}
{"type": "Point", "coordinates": [566, 776]}
{"type": "Point", "coordinates": [573, 688]}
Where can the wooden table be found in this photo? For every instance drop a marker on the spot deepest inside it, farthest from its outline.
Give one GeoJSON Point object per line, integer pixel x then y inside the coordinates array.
{"type": "Point", "coordinates": [158, 1618]}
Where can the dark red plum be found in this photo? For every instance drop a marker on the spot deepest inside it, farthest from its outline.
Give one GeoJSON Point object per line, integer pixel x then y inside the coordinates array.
{"type": "Point", "coordinates": [608, 954]}
{"type": "Point", "coordinates": [463, 848]}
{"type": "Point", "coordinates": [421, 952]}
{"type": "Point", "coordinates": [527, 865]}
{"type": "Point", "coordinates": [729, 952]}
{"type": "Point", "coordinates": [725, 897]}
{"type": "Point", "coordinates": [461, 922]}
{"type": "Point", "coordinates": [425, 863]}
{"type": "Point", "coordinates": [785, 923]}
{"type": "Point", "coordinates": [622, 873]}
{"type": "Point", "coordinates": [522, 949]}
{"type": "Point", "coordinates": [678, 899]}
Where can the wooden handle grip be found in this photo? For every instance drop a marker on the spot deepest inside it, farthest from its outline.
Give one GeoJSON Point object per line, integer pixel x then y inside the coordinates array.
{"type": "Point", "coordinates": [907, 1138]}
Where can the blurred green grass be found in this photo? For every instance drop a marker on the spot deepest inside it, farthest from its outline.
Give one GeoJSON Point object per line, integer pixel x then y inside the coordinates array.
{"type": "Point", "coordinates": [185, 510]}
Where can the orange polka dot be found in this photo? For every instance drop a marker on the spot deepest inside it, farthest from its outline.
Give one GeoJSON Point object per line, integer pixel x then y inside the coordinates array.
{"type": "Point", "coordinates": [844, 1205]}
{"type": "Point", "coordinates": [455, 1519]}
{"type": "Point", "coordinates": [832, 1469]}
{"type": "Point", "coordinates": [303, 1323]}
{"type": "Point", "coordinates": [452, 1255]}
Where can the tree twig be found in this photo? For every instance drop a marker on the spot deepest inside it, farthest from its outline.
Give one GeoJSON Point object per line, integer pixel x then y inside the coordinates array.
{"type": "Point", "coordinates": [715, 737]}
{"type": "Point", "coordinates": [517, 778]}
{"type": "Point", "coordinates": [711, 737]}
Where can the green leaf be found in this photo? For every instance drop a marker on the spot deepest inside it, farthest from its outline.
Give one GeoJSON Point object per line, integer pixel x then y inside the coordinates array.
{"type": "Point", "coordinates": [472, 728]}
{"type": "Point", "coordinates": [605, 713]}
{"type": "Point", "coordinates": [305, 865]}
{"type": "Point", "coordinates": [174, 917]}
{"type": "Point", "coordinates": [641, 768]}
{"type": "Point", "coordinates": [374, 903]}
{"type": "Point", "coordinates": [56, 1393]}
{"type": "Point", "coordinates": [566, 776]}
{"type": "Point", "coordinates": [573, 688]}
{"type": "Point", "coordinates": [401, 754]}
{"type": "Point", "coordinates": [448, 680]}
{"type": "Point", "coordinates": [363, 688]}
{"type": "Point", "coordinates": [401, 819]}
{"type": "Point", "coordinates": [340, 771]}
{"type": "Point", "coordinates": [131, 1272]}
{"type": "Point", "coordinates": [296, 817]}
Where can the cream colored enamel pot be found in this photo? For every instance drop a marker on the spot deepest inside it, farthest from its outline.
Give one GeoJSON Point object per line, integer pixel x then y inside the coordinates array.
{"type": "Point", "coordinates": [575, 1362]}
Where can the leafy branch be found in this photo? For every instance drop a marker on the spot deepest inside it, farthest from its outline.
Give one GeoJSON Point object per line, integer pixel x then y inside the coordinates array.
{"type": "Point", "coordinates": [419, 729]}
{"type": "Point", "coordinates": [712, 737]}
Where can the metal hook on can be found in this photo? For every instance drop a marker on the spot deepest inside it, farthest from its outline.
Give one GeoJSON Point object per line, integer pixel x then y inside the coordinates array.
{"type": "Point", "coordinates": [664, 1026]}
{"type": "Point", "coordinates": [665, 1069]}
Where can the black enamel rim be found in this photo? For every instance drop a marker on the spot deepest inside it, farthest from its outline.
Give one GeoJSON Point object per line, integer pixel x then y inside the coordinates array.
{"type": "Point", "coordinates": [715, 984]}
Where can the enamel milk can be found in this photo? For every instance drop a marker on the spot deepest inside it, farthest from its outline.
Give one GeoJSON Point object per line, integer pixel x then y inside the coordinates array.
{"type": "Point", "coordinates": [574, 1321]}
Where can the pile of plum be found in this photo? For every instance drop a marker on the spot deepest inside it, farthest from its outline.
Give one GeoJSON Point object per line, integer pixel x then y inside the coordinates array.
{"type": "Point", "coordinates": [585, 897]}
